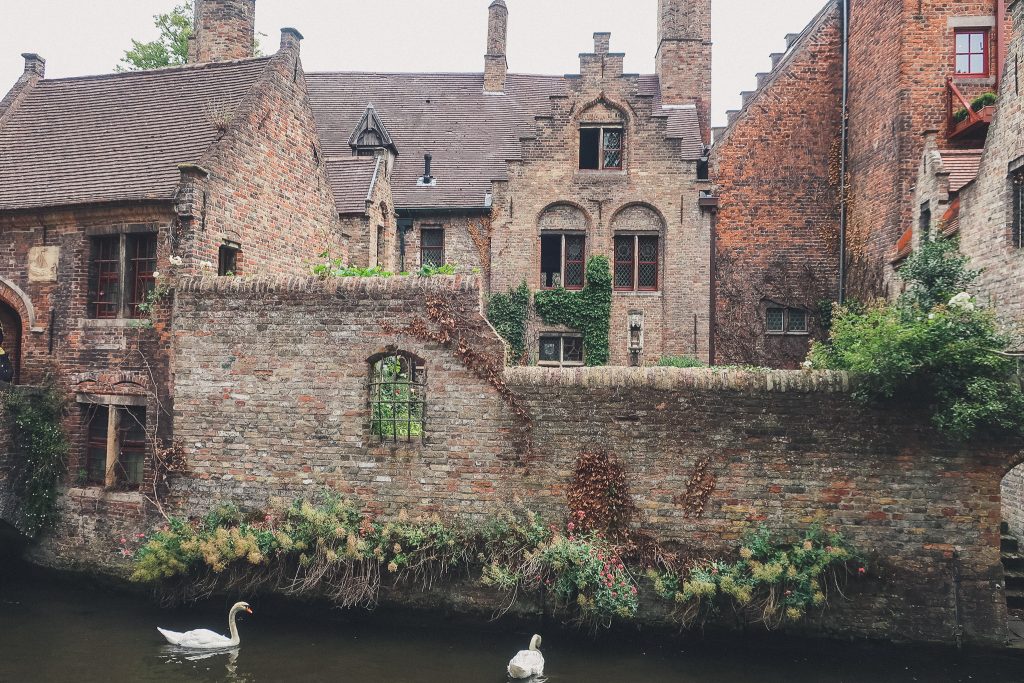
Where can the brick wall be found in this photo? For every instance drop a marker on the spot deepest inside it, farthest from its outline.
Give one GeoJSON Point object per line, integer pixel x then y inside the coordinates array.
{"type": "Point", "coordinates": [459, 247]}
{"type": "Point", "coordinates": [272, 403]}
{"type": "Point", "coordinates": [776, 169]}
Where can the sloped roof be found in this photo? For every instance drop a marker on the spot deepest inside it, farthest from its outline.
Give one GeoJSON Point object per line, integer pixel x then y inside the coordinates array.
{"type": "Point", "coordinates": [962, 166]}
{"type": "Point", "coordinates": [351, 182]}
{"type": "Point", "coordinates": [115, 137]}
{"type": "Point", "coordinates": [470, 134]}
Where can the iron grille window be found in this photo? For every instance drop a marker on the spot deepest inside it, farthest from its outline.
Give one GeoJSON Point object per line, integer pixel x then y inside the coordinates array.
{"type": "Point", "coordinates": [925, 222]}
{"type": "Point", "coordinates": [972, 53]}
{"type": "Point", "coordinates": [562, 261]}
{"type": "Point", "coordinates": [397, 398]}
{"type": "Point", "coordinates": [560, 349]}
{"type": "Point", "coordinates": [786, 321]}
{"type": "Point", "coordinates": [432, 247]}
{"type": "Point", "coordinates": [141, 266]}
{"type": "Point", "coordinates": [229, 259]}
{"type": "Point", "coordinates": [601, 148]}
{"type": "Point", "coordinates": [636, 263]}
{"type": "Point", "coordinates": [106, 277]}
{"type": "Point", "coordinates": [1017, 198]}
{"type": "Point", "coordinates": [130, 445]}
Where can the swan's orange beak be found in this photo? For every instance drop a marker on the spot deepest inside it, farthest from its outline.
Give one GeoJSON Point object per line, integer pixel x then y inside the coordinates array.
{"type": "Point", "coordinates": [249, 610]}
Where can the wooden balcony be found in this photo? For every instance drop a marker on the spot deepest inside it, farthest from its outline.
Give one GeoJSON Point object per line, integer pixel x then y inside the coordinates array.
{"type": "Point", "coordinates": [972, 128]}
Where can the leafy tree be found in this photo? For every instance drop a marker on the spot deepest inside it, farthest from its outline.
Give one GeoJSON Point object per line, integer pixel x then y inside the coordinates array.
{"type": "Point", "coordinates": [170, 49]}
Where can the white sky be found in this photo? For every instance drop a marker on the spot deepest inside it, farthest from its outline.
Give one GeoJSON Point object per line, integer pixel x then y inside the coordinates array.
{"type": "Point", "coordinates": [79, 37]}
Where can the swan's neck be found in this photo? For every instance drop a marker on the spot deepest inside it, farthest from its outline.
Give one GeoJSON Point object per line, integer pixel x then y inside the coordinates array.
{"type": "Point", "coordinates": [233, 627]}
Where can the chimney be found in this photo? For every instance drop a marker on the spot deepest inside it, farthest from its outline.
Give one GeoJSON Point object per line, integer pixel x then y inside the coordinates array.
{"type": "Point", "coordinates": [290, 39]}
{"type": "Point", "coordinates": [34, 65]}
{"type": "Point", "coordinates": [428, 179]}
{"type": "Point", "coordinates": [224, 30]}
{"type": "Point", "coordinates": [495, 61]}
{"type": "Point", "coordinates": [684, 56]}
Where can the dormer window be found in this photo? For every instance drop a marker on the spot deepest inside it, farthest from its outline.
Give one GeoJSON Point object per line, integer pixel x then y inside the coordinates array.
{"type": "Point", "coordinates": [601, 148]}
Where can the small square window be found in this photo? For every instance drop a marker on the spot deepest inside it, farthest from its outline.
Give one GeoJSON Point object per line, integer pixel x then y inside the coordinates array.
{"type": "Point", "coordinates": [432, 247]}
{"type": "Point", "coordinates": [601, 148]}
{"type": "Point", "coordinates": [560, 349]}
{"type": "Point", "coordinates": [972, 53]}
{"type": "Point", "coordinates": [797, 321]}
{"type": "Point", "coordinates": [776, 320]}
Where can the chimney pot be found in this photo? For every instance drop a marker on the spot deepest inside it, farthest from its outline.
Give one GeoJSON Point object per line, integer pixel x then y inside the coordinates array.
{"type": "Point", "coordinates": [602, 43]}
{"type": "Point", "coordinates": [428, 160]}
{"type": "Point", "coordinates": [34, 64]}
{"type": "Point", "coordinates": [224, 30]}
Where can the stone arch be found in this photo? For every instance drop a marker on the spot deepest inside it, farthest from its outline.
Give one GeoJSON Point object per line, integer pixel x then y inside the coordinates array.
{"type": "Point", "coordinates": [638, 217]}
{"type": "Point", "coordinates": [564, 215]}
{"type": "Point", "coordinates": [598, 109]}
{"type": "Point", "coordinates": [12, 295]}
{"type": "Point", "coordinates": [397, 396]}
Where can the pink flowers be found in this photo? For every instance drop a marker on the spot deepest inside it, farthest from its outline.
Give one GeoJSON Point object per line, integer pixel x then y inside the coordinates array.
{"type": "Point", "coordinates": [571, 527]}
{"type": "Point", "coordinates": [581, 514]}
{"type": "Point", "coordinates": [862, 571]}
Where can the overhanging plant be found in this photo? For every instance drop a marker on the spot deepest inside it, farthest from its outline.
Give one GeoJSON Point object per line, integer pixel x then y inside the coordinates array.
{"type": "Point", "coordinates": [588, 310]}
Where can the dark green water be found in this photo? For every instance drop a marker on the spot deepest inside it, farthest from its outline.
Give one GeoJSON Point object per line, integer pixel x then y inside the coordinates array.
{"type": "Point", "coordinates": [51, 630]}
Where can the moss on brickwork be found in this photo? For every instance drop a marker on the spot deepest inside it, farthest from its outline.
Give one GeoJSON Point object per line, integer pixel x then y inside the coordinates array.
{"type": "Point", "coordinates": [508, 312]}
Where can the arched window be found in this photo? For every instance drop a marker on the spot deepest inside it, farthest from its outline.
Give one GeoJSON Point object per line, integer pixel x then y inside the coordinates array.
{"type": "Point", "coordinates": [397, 397]}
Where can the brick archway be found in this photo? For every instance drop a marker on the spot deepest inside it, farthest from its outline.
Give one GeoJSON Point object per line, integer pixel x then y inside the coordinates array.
{"type": "Point", "coordinates": [17, 317]}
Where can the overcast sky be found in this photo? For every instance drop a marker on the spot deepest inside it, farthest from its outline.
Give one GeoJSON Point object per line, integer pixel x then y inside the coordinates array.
{"type": "Point", "coordinates": [79, 37]}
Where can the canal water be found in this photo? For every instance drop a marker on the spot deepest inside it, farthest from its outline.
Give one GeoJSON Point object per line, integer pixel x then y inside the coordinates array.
{"type": "Point", "coordinates": [53, 630]}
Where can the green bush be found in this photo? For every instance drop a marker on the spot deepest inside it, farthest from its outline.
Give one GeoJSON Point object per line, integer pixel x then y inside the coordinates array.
{"type": "Point", "coordinates": [508, 313]}
{"type": "Point", "coordinates": [40, 450]}
{"type": "Point", "coordinates": [680, 362]}
{"type": "Point", "coordinates": [977, 104]}
{"type": "Point", "coordinates": [934, 347]}
{"type": "Point", "coordinates": [588, 310]}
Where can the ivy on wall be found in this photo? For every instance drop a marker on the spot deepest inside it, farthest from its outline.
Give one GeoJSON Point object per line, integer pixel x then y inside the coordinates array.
{"type": "Point", "coordinates": [588, 310]}
{"type": "Point", "coordinates": [40, 450]}
{"type": "Point", "coordinates": [508, 313]}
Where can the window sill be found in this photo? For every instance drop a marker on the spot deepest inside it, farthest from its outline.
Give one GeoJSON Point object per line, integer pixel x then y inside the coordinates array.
{"type": "Point", "coordinates": [99, 492]}
{"type": "Point", "coordinates": [639, 293]}
{"type": "Point", "coordinates": [787, 334]}
{"type": "Point", "coordinates": [964, 79]}
{"type": "Point", "coordinates": [556, 364]}
{"type": "Point", "coordinates": [113, 323]}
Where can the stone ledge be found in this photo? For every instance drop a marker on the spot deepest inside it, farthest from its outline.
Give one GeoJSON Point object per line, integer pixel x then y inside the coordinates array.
{"type": "Point", "coordinates": [326, 286]}
{"type": "Point", "coordinates": [705, 379]}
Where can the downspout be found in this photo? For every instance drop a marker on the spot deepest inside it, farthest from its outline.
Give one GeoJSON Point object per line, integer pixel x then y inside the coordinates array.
{"type": "Point", "coordinates": [713, 312]}
{"type": "Point", "coordinates": [1000, 42]}
{"type": "Point", "coordinates": [843, 213]}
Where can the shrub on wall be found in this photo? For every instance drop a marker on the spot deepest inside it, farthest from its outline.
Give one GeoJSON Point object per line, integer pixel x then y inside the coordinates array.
{"type": "Point", "coordinates": [680, 362]}
{"type": "Point", "coordinates": [508, 312]}
{"type": "Point", "coordinates": [40, 449]}
{"type": "Point", "coordinates": [588, 310]}
{"type": "Point", "coordinates": [934, 346]}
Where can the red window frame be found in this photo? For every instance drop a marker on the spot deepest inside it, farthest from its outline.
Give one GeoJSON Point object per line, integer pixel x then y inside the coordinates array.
{"type": "Point", "coordinates": [106, 277]}
{"type": "Point", "coordinates": [96, 445]}
{"type": "Point", "coordinates": [634, 263]}
{"type": "Point", "coordinates": [141, 266]}
{"type": "Point", "coordinates": [986, 41]}
{"type": "Point", "coordinates": [433, 251]}
{"type": "Point", "coordinates": [580, 262]}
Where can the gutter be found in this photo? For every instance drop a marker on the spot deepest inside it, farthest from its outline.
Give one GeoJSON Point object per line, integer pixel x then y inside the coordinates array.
{"type": "Point", "coordinates": [843, 212]}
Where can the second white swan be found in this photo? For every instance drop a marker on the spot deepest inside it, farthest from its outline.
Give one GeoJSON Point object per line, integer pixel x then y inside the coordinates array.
{"type": "Point", "coordinates": [527, 662]}
{"type": "Point", "coordinates": [204, 639]}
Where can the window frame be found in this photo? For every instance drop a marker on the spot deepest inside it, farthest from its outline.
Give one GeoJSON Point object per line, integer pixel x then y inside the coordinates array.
{"type": "Point", "coordinates": [564, 259]}
{"type": "Point", "coordinates": [417, 395]}
{"type": "Point", "coordinates": [561, 362]}
{"type": "Point", "coordinates": [635, 262]}
{"type": "Point", "coordinates": [433, 248]}
{"type": "Point", "coordinates": [229, 258]}
{"type": "Point", "coordinates": [787, 326]}
{"type": "Point", "coordinates": [1017, 208]}
{"type": "Point", "coordinates": [603, 129]}
{"type": "Point", "coordinates": [100, 440]}
{"type": "Point", "coordinates": [121, 269]}
{"type": "Point", "coordinates": [985, 53]}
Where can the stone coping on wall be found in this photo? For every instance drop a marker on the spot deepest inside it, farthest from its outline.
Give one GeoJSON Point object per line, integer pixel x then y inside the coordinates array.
{"type": "Point", "coordinates": [704, 379]}
{"type": "Point", "coordinates": [370, 287]}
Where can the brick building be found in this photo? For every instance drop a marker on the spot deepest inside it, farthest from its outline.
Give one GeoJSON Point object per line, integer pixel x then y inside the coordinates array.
{"type": "Point", "coordinates": [912, 67]}
{"type": "Point", "coordinates": [110, 183]}
{"type": "Point", "coordinates": [525, 177]}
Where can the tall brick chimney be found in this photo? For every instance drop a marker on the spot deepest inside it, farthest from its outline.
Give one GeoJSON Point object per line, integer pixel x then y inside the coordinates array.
{"type": "Point", "coordinates": [34, 65]}
{"type": "Point", "coordinates": [495, 62]}
{"type": "Point", "coordinates": [224, 29]}
{"type": "Point", "coordinates": [684, 56]}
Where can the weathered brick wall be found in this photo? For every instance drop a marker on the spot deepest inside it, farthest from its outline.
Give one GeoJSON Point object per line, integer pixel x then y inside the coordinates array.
{"type": "Point", "coordinates": [655, 177]}
{"type": "Point", "coordinates": [460, 249]}
{"type": "Point", "coordinates": [268, 189]}
{"type": "Point", "coordinates": [272, 403]}
{"type": "Point", "coordinates": [1013, 501]}
{"type": "Point", "coordinates": [776, 170]}
{"type": "Point", "coordinates": [986, 211]}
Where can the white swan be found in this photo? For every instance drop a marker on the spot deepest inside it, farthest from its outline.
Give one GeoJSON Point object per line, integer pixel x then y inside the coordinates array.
{"type": "Point", "coordinates": [527, 662]}
{"type": "Point", "coordinates": [203, 639]}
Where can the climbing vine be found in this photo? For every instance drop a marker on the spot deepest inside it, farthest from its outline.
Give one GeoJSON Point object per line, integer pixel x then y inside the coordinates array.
{"type": "Point", "coordinates": [508, 313]}
{"type": "Point", "coordinates": [588, 310]}
{"type": "Point", "coordinates": [40, 450]}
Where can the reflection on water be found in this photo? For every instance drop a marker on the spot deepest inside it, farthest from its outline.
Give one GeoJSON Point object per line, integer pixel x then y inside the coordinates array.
{"type": "Point", "coordinates": [54, 631]}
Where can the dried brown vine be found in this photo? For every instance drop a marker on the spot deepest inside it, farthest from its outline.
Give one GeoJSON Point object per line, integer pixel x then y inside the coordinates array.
{"type": "Point", "coordinates": [698, 489]}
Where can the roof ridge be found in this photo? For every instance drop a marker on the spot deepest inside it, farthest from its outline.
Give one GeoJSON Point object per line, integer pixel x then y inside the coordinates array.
{"type": "Point", "coordinates": [159, 70]}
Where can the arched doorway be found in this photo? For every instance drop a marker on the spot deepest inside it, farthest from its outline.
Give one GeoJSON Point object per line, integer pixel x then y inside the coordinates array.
{"type": "Point", "coordinates": [11, 325]}
{"type": "Point", "coordinates": [1011, 546]}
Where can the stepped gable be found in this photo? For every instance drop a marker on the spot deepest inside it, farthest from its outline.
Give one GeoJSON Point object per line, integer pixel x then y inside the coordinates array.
{"type": "Point", "coordinates": [352, 180]}
{"type": "Point", "coordinates": [116, 137]}
{"type": "Point", "coordinates": [469, 133]}
{"type": "Point", "coordinates": [780, 61]}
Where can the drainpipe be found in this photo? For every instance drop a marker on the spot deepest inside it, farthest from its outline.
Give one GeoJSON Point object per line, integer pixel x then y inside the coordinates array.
{"type": "Point", "coordinates": [843, 214]}
{"type": "Point", "coordinates": [1000, 41]}
{"type": "Point", "coordinates": [713, 312]}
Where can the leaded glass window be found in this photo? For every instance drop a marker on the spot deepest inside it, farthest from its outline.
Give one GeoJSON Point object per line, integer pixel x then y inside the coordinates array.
{"type": "Point", "coordinates": [636, 263]}
{"type": "Point", "coordinates": [560, 349]}
{"type": "Point", "coordinates": [563, 260]}
{"type": "Point", "coordinates": [601, 148]}
{"type": "Point", "coordinates": [432, 247]}
{"type": "Point", "coordinates": [776, 320]}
